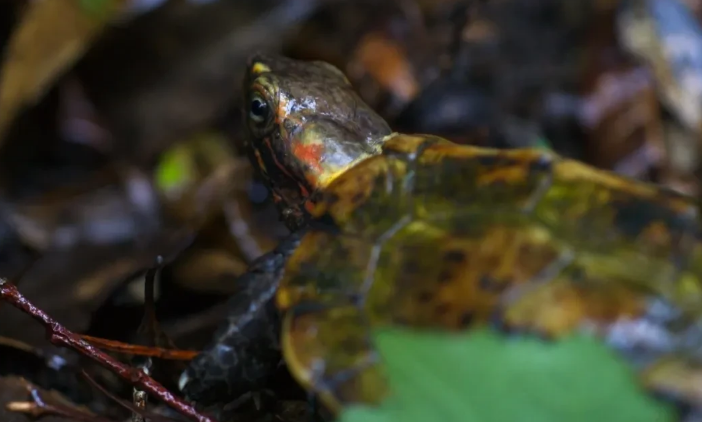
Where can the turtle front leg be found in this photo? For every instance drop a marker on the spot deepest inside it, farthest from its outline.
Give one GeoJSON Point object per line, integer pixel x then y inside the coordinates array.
{"type": "Point", "coordinates": [245, 350]}
{"type": "Point", "coordinates": [329, 350]}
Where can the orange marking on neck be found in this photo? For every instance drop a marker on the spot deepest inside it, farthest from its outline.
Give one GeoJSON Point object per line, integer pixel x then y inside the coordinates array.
{"type": "Point", "coordinates": [267, 142]}
{"type": "Point", "coordinates": [310, 154]}
{"type": "Point", "coordinates": [261, 164]}
{"type": "Point", "coordinates": [309, 206]}
{"type": "Point", "coordinates": [281, 167]}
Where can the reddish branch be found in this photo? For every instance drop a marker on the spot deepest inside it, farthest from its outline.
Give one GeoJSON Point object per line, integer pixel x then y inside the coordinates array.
{"type": "Point", "coordinates": [61, 336]}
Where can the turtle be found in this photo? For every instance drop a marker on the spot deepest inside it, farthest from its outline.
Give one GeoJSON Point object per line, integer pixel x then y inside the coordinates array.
{"type": "Point", "coordinates": [415, 231]}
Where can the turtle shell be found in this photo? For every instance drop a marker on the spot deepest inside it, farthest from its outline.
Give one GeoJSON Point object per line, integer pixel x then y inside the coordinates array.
{"type": "Point", "coordinates": [435, 235]}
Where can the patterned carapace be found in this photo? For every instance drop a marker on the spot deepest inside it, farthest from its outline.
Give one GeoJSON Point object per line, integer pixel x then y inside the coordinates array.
{"type": "Point", "coordinates": [414, 230]}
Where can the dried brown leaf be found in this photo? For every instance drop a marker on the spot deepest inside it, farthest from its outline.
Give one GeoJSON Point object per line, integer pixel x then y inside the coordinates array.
{"type": "Point", "coordinates": [49, 38]}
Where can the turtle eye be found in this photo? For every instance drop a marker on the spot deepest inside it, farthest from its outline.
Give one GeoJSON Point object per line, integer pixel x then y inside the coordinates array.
{"type": "Point", "coordinates": [258, 110]}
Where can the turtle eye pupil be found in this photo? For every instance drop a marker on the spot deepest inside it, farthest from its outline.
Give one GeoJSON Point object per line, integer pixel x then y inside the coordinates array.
{"type": "Point", "coordinates": [259, 110]}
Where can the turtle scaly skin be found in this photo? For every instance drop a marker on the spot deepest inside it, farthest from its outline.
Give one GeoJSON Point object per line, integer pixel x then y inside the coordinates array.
{"type": "Point", "coordinates": [415, 231]}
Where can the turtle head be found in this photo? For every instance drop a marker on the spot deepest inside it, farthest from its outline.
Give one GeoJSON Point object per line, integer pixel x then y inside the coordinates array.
{"type": "Point", "coordinates": [306, 125]}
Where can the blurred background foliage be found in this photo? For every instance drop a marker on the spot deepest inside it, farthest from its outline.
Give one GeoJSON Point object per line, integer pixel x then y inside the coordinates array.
{"type": "Point", "coordinates": [121, 135]}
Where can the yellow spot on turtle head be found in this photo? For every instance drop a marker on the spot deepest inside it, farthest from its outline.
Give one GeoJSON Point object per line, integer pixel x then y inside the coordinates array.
{"type": "Point", "coordinates": [259, 68]}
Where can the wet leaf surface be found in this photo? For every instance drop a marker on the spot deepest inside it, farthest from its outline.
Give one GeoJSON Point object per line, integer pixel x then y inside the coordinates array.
{"type": "Point", "coordinates": [487, 377]}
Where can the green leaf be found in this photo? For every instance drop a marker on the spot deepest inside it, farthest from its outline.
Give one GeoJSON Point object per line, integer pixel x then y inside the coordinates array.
{"type": "Point", "coordinates": [543, 143]}
{"type": "Point", "coordinates": [96, 8]}
{"type": "Point", "coordinates": [186, 163]}
{"type": "Point", "coordinates": [487, 377]}
{"type": "Point", "coordinates": [176, 170]}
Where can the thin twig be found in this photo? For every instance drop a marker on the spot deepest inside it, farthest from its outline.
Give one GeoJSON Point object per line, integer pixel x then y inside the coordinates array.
{"type": "Point", "coordinates": [129, 406]}
{"type": "Point", "coordinates": [39, 407]}
{"type": "Point", "coordinates": [61, 336]}
{"type": "Point", "coordinates": [135, 349]}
